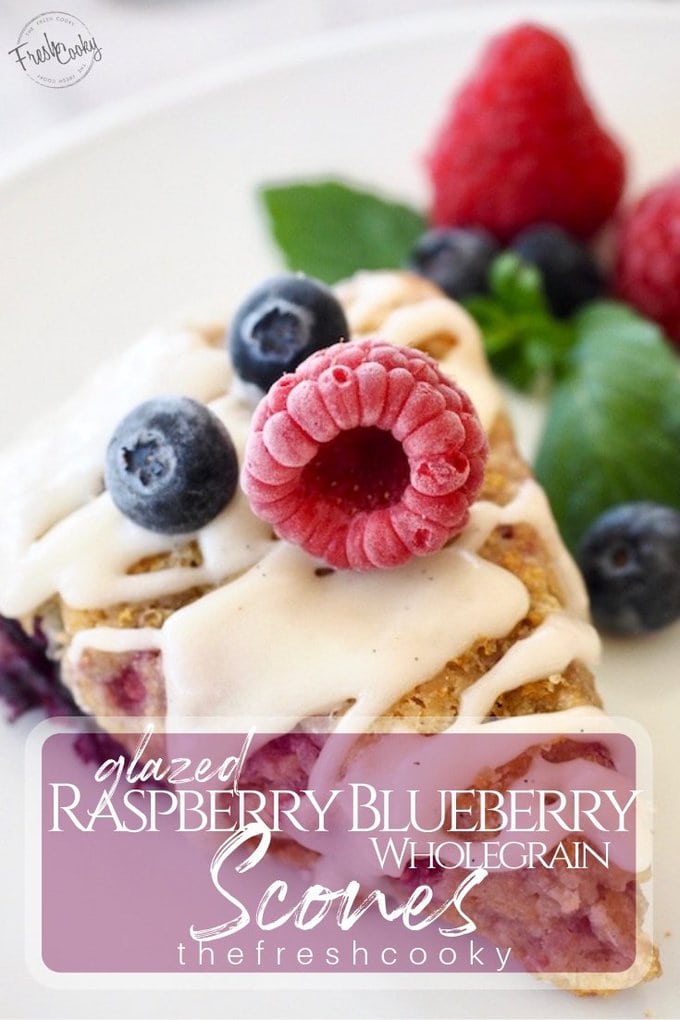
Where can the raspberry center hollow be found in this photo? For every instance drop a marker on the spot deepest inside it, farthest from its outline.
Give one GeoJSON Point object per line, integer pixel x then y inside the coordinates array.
{"type": "Point", "coordinates": [365, 456]}
{"type": "Point", "coordinates": [361, 469]}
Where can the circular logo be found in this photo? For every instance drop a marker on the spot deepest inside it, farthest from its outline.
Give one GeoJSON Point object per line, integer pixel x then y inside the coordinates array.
{"type": "Point", "coordinates": [56, 49]}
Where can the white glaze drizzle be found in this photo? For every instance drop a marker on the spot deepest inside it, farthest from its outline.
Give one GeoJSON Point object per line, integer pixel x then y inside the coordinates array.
{"type": "Point", "coordinates": [548, 650]}
{"type": "Point", "coordinates": [530, 506]}
{"type": "Point", "coordinates": [55, 514]}
{"type": "Point", "coordinates": [368, 637]}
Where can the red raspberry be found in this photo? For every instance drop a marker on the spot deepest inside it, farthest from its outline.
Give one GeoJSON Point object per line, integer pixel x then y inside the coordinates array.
{"type": "Point", "coordinates": [647, 258]}
{"type": "Point", "coordinates": [365, 456]}
{"type": "Point", "coordinates": [520, 144]}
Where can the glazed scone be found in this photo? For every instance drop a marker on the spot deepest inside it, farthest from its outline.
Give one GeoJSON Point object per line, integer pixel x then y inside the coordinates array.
{"type": "Point", "coordinates": [494, 626]}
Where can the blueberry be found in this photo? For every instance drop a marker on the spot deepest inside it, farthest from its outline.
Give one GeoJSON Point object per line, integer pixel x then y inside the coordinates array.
{"type": "Point", "coordinates": [281, 323]}
{"type": "Point", "coordinates": [571, 276]}
{"type": "Point", "coordinates": [457, 260]}
{"type": "Point", "coordinates": [630, 560]}
{"type": "Point", "coordinates": [171, 465]}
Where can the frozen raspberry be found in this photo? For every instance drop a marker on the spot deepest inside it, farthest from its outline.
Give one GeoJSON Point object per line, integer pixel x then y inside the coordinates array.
{"type": "Point", "coordinates": [647, 266]}
{"type": "Point", "coordinates": [520, 144]}
{"type": "Point", "coordinates": [365, 456]}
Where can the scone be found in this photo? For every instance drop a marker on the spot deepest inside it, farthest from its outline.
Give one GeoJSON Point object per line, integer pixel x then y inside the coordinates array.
{"type": "Point", "coordinates": [232, 622]}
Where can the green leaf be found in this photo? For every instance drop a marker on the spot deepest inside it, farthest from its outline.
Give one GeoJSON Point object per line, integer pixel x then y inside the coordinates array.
{"type": "Point", "coordinates": [330, 230]}
{"type": "Point", "coordinates": [613, 432]}
{"type": "Point", "coordinates": [517, 285]}
{"type": "Point", "coordinates": [525, 343]}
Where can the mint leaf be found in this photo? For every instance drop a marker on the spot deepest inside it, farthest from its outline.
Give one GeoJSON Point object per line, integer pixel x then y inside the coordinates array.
{"type": "Point", "coordinates": [330, 230]}
{"type": "Point", "coordinates": [613, 431]}
{"type": "Point", "coordinates": [517, 285]}
{"type": "Point", "coordinates": [524, 341]}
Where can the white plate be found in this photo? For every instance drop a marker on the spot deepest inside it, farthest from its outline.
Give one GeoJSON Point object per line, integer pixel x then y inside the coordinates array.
{"type": "Point", "coordinates": [151, 213]}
